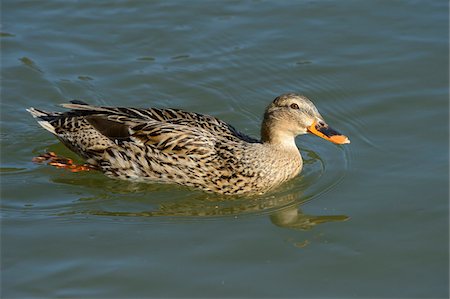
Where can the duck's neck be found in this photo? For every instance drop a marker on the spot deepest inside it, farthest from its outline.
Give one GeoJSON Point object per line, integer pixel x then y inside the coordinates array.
{"type": "Point", "coordinates": [282, 152]}
{"type": "Point", "coordinates": [279, 137]}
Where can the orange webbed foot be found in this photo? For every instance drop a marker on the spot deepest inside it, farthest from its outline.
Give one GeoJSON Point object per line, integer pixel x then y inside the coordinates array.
{"type": "Point", "coordinates": [61, 162]}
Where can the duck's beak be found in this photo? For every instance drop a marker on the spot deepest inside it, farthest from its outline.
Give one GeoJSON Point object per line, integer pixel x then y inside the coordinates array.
{"type": "Point", "coordinates": [324, 131]}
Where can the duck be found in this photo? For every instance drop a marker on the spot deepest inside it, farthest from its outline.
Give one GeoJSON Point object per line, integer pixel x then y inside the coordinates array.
{"type": "Point", "coordinates": [187, 148]}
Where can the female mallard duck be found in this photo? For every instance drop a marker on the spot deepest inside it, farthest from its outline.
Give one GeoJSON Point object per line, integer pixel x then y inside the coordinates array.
{"type": "Point", "coordinates": [191, 149]}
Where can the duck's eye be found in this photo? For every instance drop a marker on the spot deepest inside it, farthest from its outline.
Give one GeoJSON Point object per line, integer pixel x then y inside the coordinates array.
{"type": "Point", "coordinates": [294, 106]}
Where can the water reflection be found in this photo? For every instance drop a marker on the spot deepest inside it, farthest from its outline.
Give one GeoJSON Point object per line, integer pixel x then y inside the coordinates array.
{"type": "Point", "coordinates": [293, 218]}
{"type": "Point", "coordinates": [283, 210]}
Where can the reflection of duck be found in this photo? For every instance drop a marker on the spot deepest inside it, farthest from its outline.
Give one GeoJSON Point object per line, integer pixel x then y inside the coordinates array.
{"type": "Point", "coordinates": [292, 217]}
{"type": "Point", "coordinates": [174, 146]}
{"type": "Point", "coordinates": [284, 210]}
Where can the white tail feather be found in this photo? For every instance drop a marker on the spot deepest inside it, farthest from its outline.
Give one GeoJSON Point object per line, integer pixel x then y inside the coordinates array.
{"type": "Point", "coordinates": [36, 113]}
{"type": "Point", "coordinates": [45, 124]}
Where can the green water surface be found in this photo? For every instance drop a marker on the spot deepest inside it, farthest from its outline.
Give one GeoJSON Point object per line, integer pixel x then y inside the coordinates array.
{"type": "Point", "coordinates": [368, 219]}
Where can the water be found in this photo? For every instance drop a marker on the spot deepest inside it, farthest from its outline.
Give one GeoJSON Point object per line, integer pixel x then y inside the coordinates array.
{"type": "Point", "coordinates": [365, 220]}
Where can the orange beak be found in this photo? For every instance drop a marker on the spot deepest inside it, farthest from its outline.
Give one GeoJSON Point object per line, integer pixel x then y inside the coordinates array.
{"type": "Point", "coordinates": [325, 132]}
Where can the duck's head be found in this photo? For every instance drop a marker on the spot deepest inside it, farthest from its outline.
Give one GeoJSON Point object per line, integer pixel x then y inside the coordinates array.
{"type": "Point", "coordinates": [290, 115]}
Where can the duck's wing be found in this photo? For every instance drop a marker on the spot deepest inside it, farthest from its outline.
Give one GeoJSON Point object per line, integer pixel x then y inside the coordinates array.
{"type": "Point", "coordinates": [206, 122]}
{"type": "Point", "coordinates": [89, 130]}
{"type": "Point", "coordinates": [169, 116]}
{"type": "Point", "coordinates": [174, 139]}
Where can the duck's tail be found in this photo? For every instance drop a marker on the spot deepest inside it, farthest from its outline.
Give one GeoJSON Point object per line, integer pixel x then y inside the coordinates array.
{"type": "Point", "coordinates": [44, 118]}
